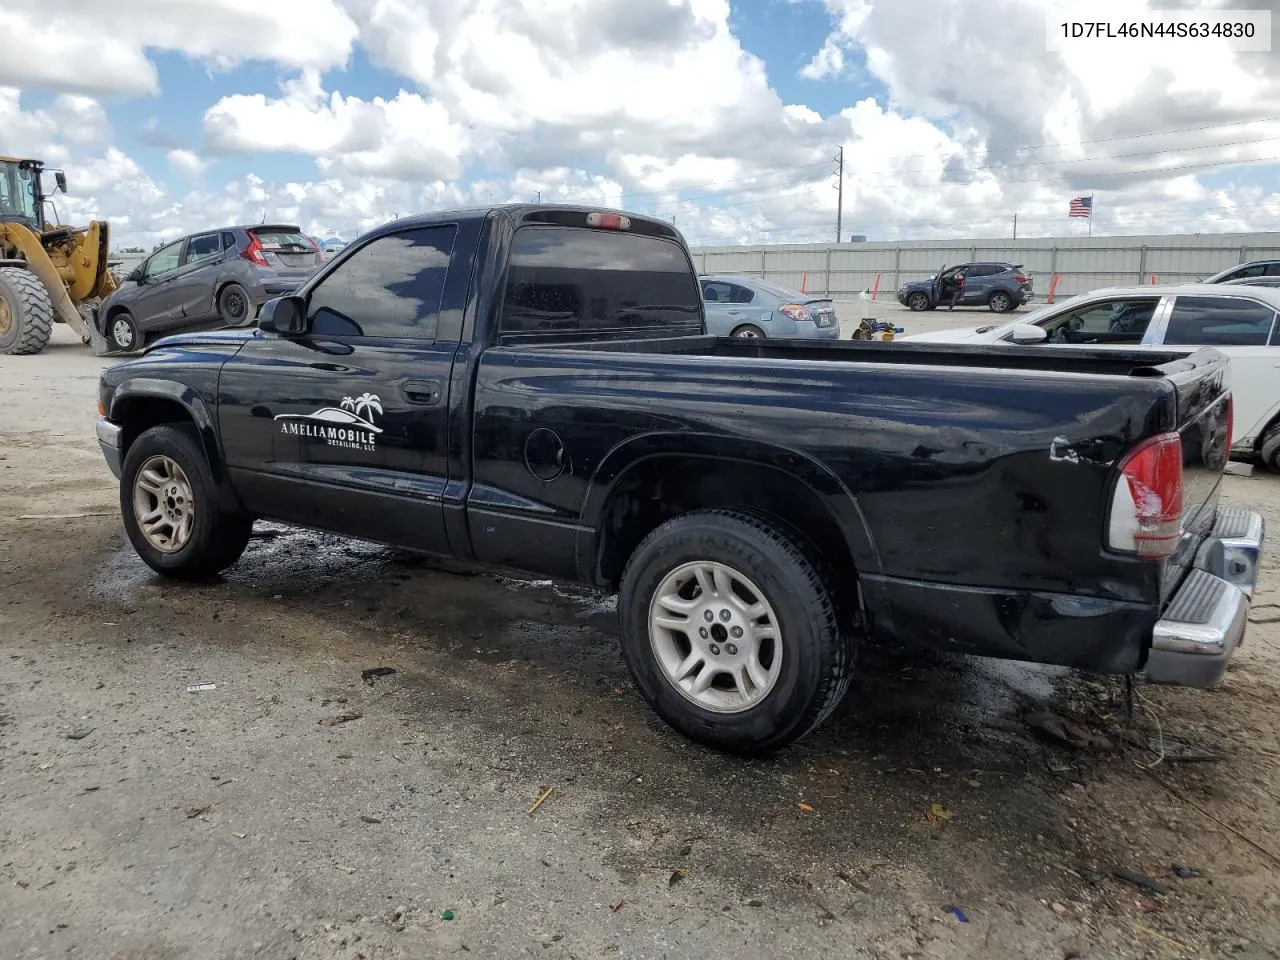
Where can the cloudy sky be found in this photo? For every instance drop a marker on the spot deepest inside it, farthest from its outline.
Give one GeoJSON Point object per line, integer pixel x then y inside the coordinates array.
{"type": "Point", "coordinates": [725, 115]}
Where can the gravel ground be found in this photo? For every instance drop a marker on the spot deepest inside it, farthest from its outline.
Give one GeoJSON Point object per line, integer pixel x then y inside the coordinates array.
{"type": "Point", "coordinates": [927, 819]}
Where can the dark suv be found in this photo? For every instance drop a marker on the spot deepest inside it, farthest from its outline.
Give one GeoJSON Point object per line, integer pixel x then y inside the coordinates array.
{"type": "Point", "coordinates": [999, 286]}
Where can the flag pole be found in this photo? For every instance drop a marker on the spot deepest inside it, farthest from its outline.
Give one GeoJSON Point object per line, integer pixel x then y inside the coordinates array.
{"type": "Point", "coordinates": [1091, 214]}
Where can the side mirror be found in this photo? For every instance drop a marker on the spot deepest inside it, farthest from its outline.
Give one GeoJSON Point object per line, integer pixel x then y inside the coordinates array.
{"type": "Point", "coordinates": [60, 179]}
{"type": "Point", "coordinates": [1028, 333]}
{"type": "Point", "coordinates": [135, 275]}
{"type": "Point", "coordinates": [284, 315]}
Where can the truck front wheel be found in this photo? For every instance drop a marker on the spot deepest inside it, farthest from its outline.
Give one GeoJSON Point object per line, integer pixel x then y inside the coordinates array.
{"type": "Point", "coordinates": [169, 503]}
{"type": "Point", "coordinates": [730, 633]}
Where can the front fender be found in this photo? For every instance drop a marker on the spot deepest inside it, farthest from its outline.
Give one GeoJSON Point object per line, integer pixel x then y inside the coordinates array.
{"type": "Point", "coordinates": [141, 389]}
{"type": "Point", "coordinates": [629, 454]}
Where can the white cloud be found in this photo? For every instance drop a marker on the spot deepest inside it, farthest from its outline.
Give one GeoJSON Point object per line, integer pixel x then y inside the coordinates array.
{"type": "Point", "coordinates": [652, 104]}
{"type": "Point", "coordinates": [407, 137]}
{"type": "Point", "coordinates": [187, 162]}
{"type": "Point", "coordinates": [92, 46]}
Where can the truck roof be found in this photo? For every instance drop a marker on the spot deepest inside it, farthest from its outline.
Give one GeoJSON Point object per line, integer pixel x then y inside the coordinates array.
{"type": "Point", "coordinates": [530, 213]}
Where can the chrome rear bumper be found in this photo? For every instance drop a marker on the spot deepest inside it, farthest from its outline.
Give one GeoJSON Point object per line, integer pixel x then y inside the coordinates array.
{"type": "Point", "coordinates": [1205, 622]}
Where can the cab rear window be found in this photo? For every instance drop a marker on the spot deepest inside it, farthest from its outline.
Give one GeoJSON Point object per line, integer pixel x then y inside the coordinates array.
{"type": "Point", "coordinates": [568, 279]}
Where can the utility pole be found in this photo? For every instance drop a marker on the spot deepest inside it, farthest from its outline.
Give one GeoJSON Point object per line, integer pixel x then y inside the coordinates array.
{"type": "Point", "coordinates": [1015, 226]}
{"type": "Point", "coordinates": [839, 192]}
{"type": "Point", "coordinates": [539, 196]}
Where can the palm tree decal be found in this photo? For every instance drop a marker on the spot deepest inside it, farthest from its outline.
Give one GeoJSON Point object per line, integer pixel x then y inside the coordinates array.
{"type": "Point", "coordinates": [368, 402]}
{"type": "Point", "coordinates": [348, 403]}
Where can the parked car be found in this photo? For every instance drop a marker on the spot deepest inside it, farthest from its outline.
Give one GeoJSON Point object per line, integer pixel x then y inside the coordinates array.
{"type": "Point", "coordinates": [999, 286]}
{"type": "Point", "coordinates": [752, 308]}
{"type": "Point", "coordinates": [1264, 281]}
{"type": "Point", "coordinates": [213, 278]}
{"type": "Point", "coordinates": [533, 386]}
{"type": "Point", "coordinates": [1242, 271]}
{"type": "Point", "coordinates": [1236, 319]}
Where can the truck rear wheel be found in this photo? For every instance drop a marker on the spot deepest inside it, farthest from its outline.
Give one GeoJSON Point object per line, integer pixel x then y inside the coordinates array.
{"type": "Point", "coordinates": [169, 503]}
{"type": "Point", "coordinates": [26, 312]}
{"type": "Point", "coordinates": [730, 632]}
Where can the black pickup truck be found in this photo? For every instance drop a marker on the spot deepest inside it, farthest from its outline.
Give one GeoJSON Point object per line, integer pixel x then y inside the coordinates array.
{"type": "Point", "coordinates": [533, 387]}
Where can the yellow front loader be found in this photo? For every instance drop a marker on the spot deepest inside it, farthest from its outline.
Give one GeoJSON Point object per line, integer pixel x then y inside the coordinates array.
{"type": "Point", "coordinates": [48, 273]}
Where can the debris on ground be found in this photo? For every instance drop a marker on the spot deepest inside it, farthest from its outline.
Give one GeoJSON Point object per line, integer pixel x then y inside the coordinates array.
{"type": "Point", "coordinates": [345, 717]}
{"type": "Point", "coordinates": [1186, 873]}
{"type": "Point", "coordinates": [676, 876]}
{"type": "Point", "coordinates": [807, 808]}
{"type": "Point", "coordinates": [1140, 880]}
{"type": "Point", "coordinates": [615, 907]}
{"type": "Point", "coordinates": [193, 812]}
{"type": "Point", "coordinates": [540, 801]}
{"type": "Point", "coordinates": [201, 687]}
{"type": "Point", "coordinates": [957, 913]}
{"type": "Point", "coordinates": [372, 674]}
{"type": "Point", "coordinates": [1177, 750]}
{"type": "Point", "coordinates": [1066, 731]}
{"type": "Point", "coordinates": [368, 819]}
{"type": "Point", "coordinates": [447, 915]}
{"type": "Point", "coordinates": [937, 813]}
{"type": "Point", "coordinates": [81, 733]}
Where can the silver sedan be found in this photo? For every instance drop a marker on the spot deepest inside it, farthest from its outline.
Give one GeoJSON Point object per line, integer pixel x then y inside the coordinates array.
{"type": "Point", "coordinates": [738, 306]}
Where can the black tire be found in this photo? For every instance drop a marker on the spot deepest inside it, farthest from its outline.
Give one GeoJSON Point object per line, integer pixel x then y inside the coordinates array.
{"type": "Point", "coordinates": [234, 306]}
{"type": "Point", "coordinates": [918, 302]}
{"type": "Point", "coordinates": [26, 312]}
{"type": "Point", "coordinates": [1000, 302]}
{"type": "Point", "coordinates": [1269, 448]}
{"type": "Point", "coordinates": [748, 331]}
{"type": "Point", "coordinates": [217, 538]}
{"type": "Point", "coordinates": [816, 658]}
{"type": "Point", "coordinates": [122, 332]}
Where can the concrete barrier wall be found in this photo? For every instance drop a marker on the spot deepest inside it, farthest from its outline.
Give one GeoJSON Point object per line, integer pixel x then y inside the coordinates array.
{"type": "Point", "coordinates": [1082, 264]}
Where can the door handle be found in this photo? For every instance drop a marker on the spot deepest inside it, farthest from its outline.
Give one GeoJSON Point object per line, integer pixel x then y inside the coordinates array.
{"type": "Point", "coordinates": [425, 393]}
{"type": "Point", "coordinates": [734, 313]}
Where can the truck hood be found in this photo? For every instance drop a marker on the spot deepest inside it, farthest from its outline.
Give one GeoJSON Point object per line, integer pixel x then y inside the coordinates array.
{"type": "Point", "coordinates": [233, 339]}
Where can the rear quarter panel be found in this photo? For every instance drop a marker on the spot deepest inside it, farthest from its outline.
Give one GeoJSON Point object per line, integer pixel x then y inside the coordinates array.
{"type": "Point", "coordinates": [966, 476]}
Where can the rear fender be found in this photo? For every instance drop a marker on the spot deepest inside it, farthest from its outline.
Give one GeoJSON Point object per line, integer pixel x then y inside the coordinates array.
{"type": "Point", "coordinates": [622, 459]}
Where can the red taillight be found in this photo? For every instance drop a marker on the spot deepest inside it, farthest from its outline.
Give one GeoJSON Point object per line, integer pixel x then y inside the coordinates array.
{"type": "Point", "coordinates": [253, 252]}
{"type": "Point", "coordinates": [609, 221]}
{"type": "Point", "coordinates": [796, 311]}
{"type": "Point", "coordinates": [1146, 509]}
{"type": "Point", "coordinates": [1020, 278]}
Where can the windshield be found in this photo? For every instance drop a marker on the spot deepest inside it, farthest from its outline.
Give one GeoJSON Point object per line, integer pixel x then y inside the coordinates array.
{"type": "Point", "coordinates": [1036, 317]}
{"type": "Point", "coordinates": [17, 192]}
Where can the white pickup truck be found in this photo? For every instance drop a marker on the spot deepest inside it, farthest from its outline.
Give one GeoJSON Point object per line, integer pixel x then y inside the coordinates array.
{"type": "Point", "coordinates": [1238, 320]}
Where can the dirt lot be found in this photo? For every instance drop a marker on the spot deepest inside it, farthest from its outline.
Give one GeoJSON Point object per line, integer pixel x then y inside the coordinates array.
{"type": "Point", "coordinates": [927, 819]}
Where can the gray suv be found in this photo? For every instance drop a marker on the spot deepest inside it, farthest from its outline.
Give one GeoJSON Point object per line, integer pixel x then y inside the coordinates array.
{"type": "Point", "coordinates": [209, 279]}
{"type": "Point", "coordinates": [999, 286]}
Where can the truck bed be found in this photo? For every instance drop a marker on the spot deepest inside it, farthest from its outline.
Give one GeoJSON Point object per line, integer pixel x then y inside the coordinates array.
{"type": "Point", "coordinates": [1079, 360]}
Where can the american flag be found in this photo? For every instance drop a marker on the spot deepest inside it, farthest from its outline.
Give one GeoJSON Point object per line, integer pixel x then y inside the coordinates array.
{"type": "Point", "coordinates": [1081, 207]}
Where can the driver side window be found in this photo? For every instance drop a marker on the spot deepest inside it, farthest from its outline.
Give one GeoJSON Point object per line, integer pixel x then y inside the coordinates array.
{"type": "Point", "coordinates": [163, 260]}
{"type": "Point", "coordinates": [1112, 321]}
